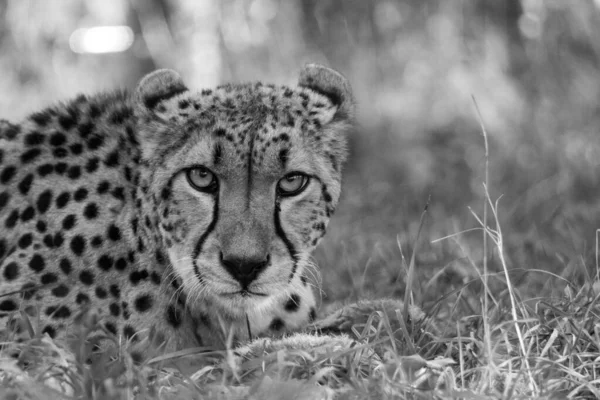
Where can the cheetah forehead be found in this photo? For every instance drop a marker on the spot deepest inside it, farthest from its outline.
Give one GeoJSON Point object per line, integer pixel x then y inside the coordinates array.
{"type": "Point", "coordinates": [271, 124]}
{"type": "Point", "coordinates": [244, 104]}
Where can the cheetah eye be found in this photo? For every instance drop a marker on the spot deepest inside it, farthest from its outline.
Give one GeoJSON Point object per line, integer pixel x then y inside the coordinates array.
{"type": "Point", "coordinates": [201, 179]}
{"type": "Point", "coordinates": [292, 184]}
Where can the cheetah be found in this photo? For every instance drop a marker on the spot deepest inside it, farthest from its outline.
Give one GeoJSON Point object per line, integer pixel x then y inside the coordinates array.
{"type": "Point", "coordinates": [188, 216]}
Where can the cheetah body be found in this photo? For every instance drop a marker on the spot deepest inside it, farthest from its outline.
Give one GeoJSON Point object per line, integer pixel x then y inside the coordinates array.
{"type": "Point", "coordinates": [96, 213]}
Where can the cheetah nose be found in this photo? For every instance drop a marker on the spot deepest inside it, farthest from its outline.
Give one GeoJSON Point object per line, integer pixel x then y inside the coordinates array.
{"type": "Point", "coordinates": [245, 269]}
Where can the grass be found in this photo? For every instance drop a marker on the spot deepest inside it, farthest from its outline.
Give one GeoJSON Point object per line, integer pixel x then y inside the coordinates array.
{"type": "Point", "coordinates": [478, 332]}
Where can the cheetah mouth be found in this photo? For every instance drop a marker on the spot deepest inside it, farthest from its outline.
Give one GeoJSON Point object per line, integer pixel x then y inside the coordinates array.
{"type": "Point", "coordinates": [244, 293]}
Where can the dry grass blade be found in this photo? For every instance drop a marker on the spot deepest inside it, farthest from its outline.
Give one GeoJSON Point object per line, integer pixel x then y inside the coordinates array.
{"type": "Point", "coordinates": [408, 299]}
{"type": "Point", "coordinates": [484, 238]}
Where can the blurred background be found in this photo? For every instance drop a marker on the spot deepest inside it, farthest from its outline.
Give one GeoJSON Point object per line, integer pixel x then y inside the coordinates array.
{"type": "Point", "coordinates": [532, 66]}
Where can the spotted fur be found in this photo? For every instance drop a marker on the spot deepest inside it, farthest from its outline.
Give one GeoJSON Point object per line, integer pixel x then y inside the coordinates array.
{"type": "Point", "coordinates": [96, 211]}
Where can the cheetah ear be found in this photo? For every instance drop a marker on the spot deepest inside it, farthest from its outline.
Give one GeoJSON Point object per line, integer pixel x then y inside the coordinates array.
{"type": "Point", "coordinates": [158, 86]}
{"type": "Point", "coordinates": [331, 84]}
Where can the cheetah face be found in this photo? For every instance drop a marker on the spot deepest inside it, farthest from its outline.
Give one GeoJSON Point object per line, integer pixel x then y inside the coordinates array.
{"type": "Point", "coordinates": [248, 177]}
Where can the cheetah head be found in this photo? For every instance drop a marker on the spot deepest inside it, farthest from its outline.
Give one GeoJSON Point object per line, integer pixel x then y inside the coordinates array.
{"type": "Point", "coordinates": [245, 179]}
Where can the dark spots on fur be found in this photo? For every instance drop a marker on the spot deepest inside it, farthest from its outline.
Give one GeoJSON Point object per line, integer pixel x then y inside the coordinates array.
{"type": "Point", "coordinates": [63, 199]}
{"type": "Point", "coordinates": [129, 333]}
{"type": "Point", "coordinates": [82, 298]}
{"type": "Point", "coordinates": [136, 276]}
{"type": "Point", "coordinates": [68, 120]}
{"type": "Point", "coordinates": [65, 266]}
{"type": "Point", "coordinates": [76, 148]}
{"type": "Point", "coordinates": [8, 130]}
{"type": "Point", "coordinates": [80, 194]}
{"type": "Point", "coordinates": [127, 173]}
{"type": "Point", "coordinates": [49, 241]}
{"type": "Point", "coordinates": [25, 241]}
{"type": "Point", "coordinates": [25, 184]}
{"type": "Point", "coordinates": [105, 262]}
{"type": "Point", "coordinates": [28, 290]}
{"type": "Point", "coordinates": [7, 174]}
{"type": "Point", "coordinates": [101, 293]}
{"type": "Point", "coordinates": [293, 303]}
{"type": "Point", "coordinates": [120, 264]}
{"type": "Point", "coordinates": [69, 222]}
{"type": "Point", "coordinates": [61, 168]}
{"type": "Point", "coordinates": [115, 291]}
{"type": "Point", "coordinates": [4, 198]}
{"type": "Point", "coordinates": [43, 201]}
{"type": "Point", "coordinates": [220, 132]}
{"type": "Point", "coordinates": [277, 325]}
{"type": "Point", "coordinates": [28, 214]}
{"type": "Point", "coordinates": [119, 193]}
{"type": "Point", "coordinates": [58, 239]}
{"type": "Point", "coordinates": [174, 317]}
{"type": "Point", "coordinates": [155, 277]}
{"type": "Point", "coordinates": [140, 246]}
{"type": "Point", "coordinates": [58, 139]}
{"type": "Point", "coordinates": [134, 225]}
{"type": "Point", "coordinates": [86, 277]}
{"type": "Point", "coordinates": [103, 187]}
{"type": "Point", "coordinates": [111, 327]}
{"type": "Point", "coordinates": [78, 244]}
{"type": "Point", "coordinates": [112, 159]}
{"type": "Point", "coordinates": [90, 211]}
{"type": "Point", "coordinates": [114, 309]}
{"type": "Point", "coordinates": [45, 169]}
{"type": "Point", "coordinates": [60, 291]}
{"type": "Point", "coordinates": [41, 118]}
{"type": "Point", "coordinates": [143, 303]}
{"type": "Point", "coordinates": [84, 129]}
{"type": "Point", "coordinates": [312, 315]}
{"type": "Point", "coordinates": [30, 155]}
{"type": "Point", "coordinates": [92, 165]}
{"type": "Point", "coordinates": [49, 329]}
{"type": "Point", "coordinates": [183, 104]}
{"type": "Point", "coordinates": [40, 226]}
{"type": "Point", "coordinates": [11, 271]}
{"type": "Point", "coordinates": [120, 115]}
{"type": "Point", "coordinates": [48, 278]}
{"type": "Point", "coordinates": [303, 280]}
{"type": "Point", "coordinates": [165, 193]}
{"type": "Point", "coordinates": [37, 263]}
{"type": "Point", "coordinates": [60, 152]}
{"type": "Point", "coordinates": [95, 142]}
{"type": "Point", "coordinates": [113, 233]}
{"type": "Point", "coordinates": [160, 257]}
{"type": "Point", "coordinates": [125, 308]}
{"type": "Point", "coordinates": [11, 220]}
{"type": "Point", "coordinates": [74, 172]}
{"type": "Point", "coordinates": [60, 312]}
